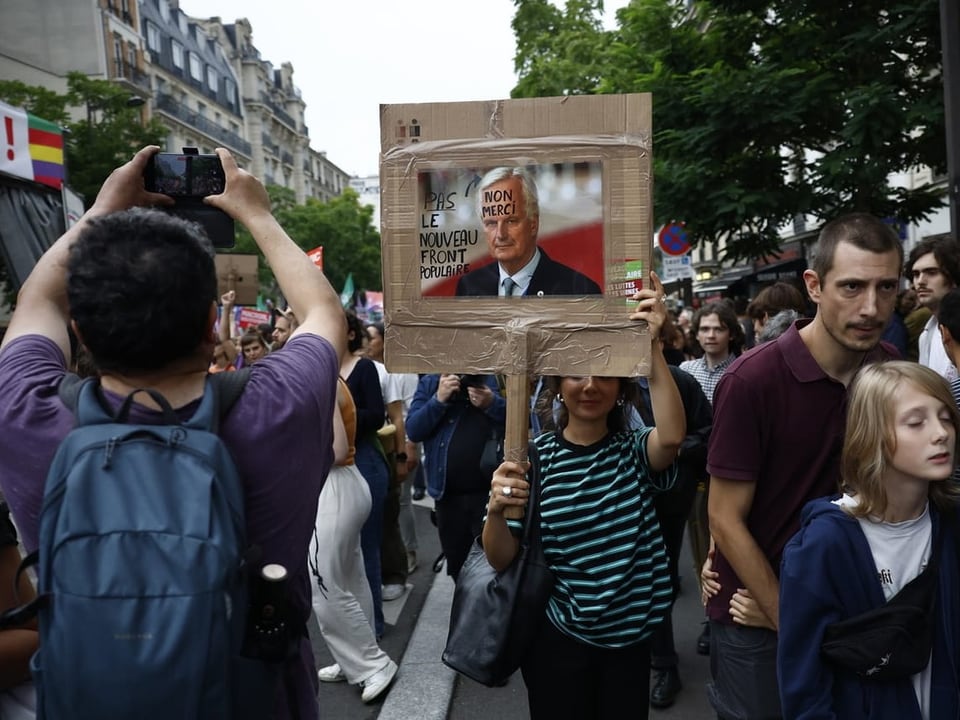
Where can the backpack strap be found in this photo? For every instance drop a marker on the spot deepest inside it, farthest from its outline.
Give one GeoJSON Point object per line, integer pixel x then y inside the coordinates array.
{"type": "Point", "coordinates": [69, 390]}
{"type": "Point", "coordinates": [227, 388]}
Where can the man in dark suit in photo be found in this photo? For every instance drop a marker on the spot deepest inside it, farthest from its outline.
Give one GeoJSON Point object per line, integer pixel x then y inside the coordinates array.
{"type": "Point", "coordinates": [509, 210]}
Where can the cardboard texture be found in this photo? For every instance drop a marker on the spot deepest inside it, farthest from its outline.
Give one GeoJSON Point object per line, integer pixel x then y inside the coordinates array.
{"type": "Point", "coordinates": [238, 273]}
{"type": "Point", "coordinates": [584, 151]}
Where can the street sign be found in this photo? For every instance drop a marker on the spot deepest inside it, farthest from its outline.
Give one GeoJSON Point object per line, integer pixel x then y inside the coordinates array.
{"type": "Point", "coordinates": [673, 239]}
{"type": "Point", "coordinates": [677, 268]}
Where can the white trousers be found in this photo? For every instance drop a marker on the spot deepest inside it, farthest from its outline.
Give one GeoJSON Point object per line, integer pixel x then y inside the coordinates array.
{"type": "Point", "coordinates": [342, 599]}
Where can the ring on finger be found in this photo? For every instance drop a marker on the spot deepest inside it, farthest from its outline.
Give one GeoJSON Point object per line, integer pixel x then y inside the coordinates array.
{"type": "Point", "coordinates": [506, 491]}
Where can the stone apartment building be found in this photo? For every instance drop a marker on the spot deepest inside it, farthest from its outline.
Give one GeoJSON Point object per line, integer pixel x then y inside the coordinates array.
{"type": "Point", "coordinates": [205, 80]}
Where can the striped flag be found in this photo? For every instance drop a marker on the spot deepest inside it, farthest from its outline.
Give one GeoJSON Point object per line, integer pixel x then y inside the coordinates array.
{"type": "Point", "coordinates": [46, 151]}
{"type": "Point", "coordinates": [30, 147]}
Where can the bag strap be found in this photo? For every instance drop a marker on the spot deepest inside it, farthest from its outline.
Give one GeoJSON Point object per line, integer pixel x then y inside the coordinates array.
{"type": "Point", "coordinates": [22, 614]}
{"type": "Point", "coordinates": [227, 387]}
{"type": "Point", "coordinates": [531, 525]}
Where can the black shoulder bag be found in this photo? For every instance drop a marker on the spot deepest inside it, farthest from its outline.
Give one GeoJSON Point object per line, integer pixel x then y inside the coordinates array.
{"type": "Point", "coordinates": [494, 616]}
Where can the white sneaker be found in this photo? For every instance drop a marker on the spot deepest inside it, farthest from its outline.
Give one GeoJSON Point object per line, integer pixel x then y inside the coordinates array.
{"type": "Point", "coordinates": [392, 592]}
{"type": "Point", "coordinates": [374, 686]}
{"type": "Point", "coordinates": [331, 673]}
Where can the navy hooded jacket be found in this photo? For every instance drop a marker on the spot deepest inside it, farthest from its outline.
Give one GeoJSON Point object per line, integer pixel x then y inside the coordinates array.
{"type": "Point", "coordinates": [828, 574]}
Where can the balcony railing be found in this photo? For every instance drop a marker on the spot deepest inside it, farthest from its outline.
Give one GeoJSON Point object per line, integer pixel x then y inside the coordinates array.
{"type": "Point", "coordinates": [279, 112]}
{"type": "Point", "coordinates": [170, 106]}
{"type": "Point", "coordinates": [269, 144]}
{"type": "Point", "coordinates": [126, 71]}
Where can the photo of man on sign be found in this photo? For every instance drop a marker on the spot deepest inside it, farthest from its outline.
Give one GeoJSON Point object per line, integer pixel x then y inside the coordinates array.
{"type": "Point", "coordinates": [512, 231]}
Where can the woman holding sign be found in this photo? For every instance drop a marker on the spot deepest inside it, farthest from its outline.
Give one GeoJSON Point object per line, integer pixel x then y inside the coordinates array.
{"type": "Point", "coordinates": [600, 535]}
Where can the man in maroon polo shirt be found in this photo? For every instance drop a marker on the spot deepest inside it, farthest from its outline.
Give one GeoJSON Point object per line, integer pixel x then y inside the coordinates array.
{"type": "Point", "coordinates": [779, 416]}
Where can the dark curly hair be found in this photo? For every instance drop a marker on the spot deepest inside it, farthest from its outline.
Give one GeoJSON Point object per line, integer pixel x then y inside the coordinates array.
{"type": "Point", "coordinates": [140, 284]}
{"type": "Point", "coordinates": [944, 249]}
{"type": "Point", "coordinates": [354, 325]}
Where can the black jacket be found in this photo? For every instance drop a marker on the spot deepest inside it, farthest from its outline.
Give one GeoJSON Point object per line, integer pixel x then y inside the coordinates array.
{"type": "Point", "coordinates": [550, 278]}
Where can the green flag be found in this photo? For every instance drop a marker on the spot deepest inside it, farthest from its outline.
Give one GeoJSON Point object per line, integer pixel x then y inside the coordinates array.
{"type": "Point", "coordinates": [347, 294]}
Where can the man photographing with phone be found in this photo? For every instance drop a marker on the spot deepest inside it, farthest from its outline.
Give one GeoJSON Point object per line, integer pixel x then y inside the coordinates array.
{"type": "Point", "coordinates": [121, 264]}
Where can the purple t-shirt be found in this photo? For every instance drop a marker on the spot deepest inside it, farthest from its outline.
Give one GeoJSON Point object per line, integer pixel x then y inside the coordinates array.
{"type": "Point", "coordinates": [279, 433]}
{"type": "Point", "coordinates": [778, 422]}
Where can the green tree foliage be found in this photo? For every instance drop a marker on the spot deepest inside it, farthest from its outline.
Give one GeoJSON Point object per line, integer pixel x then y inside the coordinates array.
{"type": "Point", "coordinates": [344, 227]}
{"type": "Point", "coordinates": [107, 135]}
{"type": "Point", "coordinates": [763, 109]}
{"type": "Point", "coordinates": [110, 133]}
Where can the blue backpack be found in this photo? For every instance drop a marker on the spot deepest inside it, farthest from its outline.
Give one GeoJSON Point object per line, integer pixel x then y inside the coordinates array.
{"type": "Point", "coordinates": [142, 579]}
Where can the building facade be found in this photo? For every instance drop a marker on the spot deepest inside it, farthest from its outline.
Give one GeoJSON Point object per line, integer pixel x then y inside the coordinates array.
{"type": "Point", "coordinates": [205, 80]}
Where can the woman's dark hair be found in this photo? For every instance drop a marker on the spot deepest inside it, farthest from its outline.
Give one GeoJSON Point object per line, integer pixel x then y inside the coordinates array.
{"type": "Point", "coordinates": [775, 298]}
{"type": "Point", "coordinates": [617, 418]}
{"type": "Point", "coordinates": [140, 284]}
{"type": "Point", "coordinates": [356, 327]}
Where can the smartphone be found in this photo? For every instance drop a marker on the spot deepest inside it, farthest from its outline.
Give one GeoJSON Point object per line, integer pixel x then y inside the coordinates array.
{"type": "Point", "coordinates": [184, 175]}
{"type": "Point", "coordinates": [189, 177]}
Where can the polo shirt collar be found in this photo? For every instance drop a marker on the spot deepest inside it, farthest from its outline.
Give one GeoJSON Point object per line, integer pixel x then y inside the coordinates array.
{"type": "Point", "coordinates": [801, 363]}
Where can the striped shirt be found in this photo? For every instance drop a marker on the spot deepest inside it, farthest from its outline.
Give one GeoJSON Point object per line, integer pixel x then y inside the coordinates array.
{"type": "Point", "coordinates": [602, 539]}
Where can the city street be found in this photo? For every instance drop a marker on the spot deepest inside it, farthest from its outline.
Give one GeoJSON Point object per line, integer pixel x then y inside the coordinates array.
{"type": "Point", "coordinates": [426, 689]}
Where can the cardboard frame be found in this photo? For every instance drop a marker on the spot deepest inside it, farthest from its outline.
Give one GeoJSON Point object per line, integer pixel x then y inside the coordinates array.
{"type": "Point", "coordinates": [556, 335]}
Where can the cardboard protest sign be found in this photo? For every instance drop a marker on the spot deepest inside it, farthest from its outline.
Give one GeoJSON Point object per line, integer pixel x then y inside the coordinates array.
{"type": "Point", "coordinates": [238, 273]}
{"type": "Point", "coordinates": [456, 203]}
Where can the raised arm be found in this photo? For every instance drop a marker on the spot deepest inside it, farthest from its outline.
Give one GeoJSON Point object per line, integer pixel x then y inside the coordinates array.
{"type": "Point", "coordinates": [226, 325]}
{"type": "Point", "coordinates": [42, 307]}
{"type": "Point", "coordinates": [671, 424]}
{"type": "Point", "coordinates": [312, 299]}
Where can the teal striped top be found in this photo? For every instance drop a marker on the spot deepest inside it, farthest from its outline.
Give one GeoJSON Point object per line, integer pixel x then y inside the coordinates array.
{"type": "Point", "coordinates": [602, 538]}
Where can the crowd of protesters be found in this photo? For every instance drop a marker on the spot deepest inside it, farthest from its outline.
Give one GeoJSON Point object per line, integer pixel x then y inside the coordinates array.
{"type": "Point", "coordinates": [810, 464]}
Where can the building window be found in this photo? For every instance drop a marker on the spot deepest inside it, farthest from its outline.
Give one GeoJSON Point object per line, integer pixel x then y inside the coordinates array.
{"type": "Point", "coordinates": [212, 78]}
{"type": "Point", "coordinates": [164, 9]}
{"type": "Point", "coordinates": [132, 55]}
{"type": "Point", "coordinates": [182, 20]}
{"type": "Point", "coordinates": [230, 89]}
{"type": "Point", "coordinates": [177, 53]}
{"type": "Point", "coordinates": [153, 37]}
{"type": "Point", "coordinates": [196, 67]}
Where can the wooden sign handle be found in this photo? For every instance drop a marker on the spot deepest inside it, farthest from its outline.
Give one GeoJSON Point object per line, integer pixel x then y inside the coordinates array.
{"type": "Point", "coordinates": [517, 430]}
